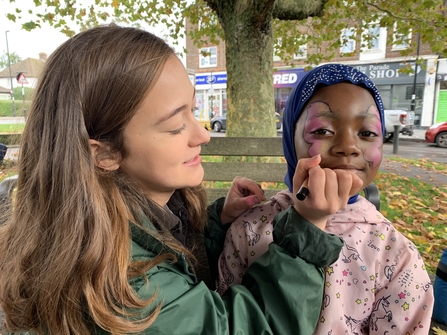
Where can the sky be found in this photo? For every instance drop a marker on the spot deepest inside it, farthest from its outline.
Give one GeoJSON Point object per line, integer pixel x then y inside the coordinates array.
{"type": "Point", "coordinates": [30, 44]}
{"type": "Point", "coordinates": [26, 44]}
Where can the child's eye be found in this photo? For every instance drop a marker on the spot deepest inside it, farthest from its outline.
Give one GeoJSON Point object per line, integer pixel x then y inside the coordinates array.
{"type": "Point", "coordinates": [178, 131]}
{"type": "Point", "coordinates": [194, 109]}
{"type": "Point", "coordinates": [368, 134]}
{"type": "Point", "coordinates": [321, 132]}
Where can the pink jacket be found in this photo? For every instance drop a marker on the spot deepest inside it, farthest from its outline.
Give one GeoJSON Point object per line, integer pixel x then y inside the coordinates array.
{"type": "Point", "coordinates": [378, 285]}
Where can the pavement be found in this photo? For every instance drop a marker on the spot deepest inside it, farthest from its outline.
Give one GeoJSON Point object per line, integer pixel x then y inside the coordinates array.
{"type": "Point", "coordinates": [418, 136]}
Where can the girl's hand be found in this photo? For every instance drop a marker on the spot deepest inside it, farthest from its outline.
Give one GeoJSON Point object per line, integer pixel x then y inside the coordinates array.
{"type": "Point", "coordinates": [329, 190]}
{"type": "Point", "coordinates": [244, 193]}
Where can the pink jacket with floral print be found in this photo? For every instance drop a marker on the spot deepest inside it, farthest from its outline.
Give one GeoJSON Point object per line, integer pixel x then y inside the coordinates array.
{"type": "Point", "coordinates": [378, 285]}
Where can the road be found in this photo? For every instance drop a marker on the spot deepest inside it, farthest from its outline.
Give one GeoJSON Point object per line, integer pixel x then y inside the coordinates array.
{"type": "Point", "coordinates": [411, 149]}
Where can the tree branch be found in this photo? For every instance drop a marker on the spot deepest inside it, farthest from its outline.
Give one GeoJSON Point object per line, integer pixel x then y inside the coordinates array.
{"type": "Point", "coordinates": [390, 13]}
{"type": "Point", "coordinates": [298, 9]}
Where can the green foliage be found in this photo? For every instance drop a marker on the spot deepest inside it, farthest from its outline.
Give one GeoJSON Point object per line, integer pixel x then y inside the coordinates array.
{"type": "Point", "coordinates": [14, 58]}
{"type": "Point", "coordinates": [28, 93]}
{"type": "Point", "coordinates": [403, 19]}
{"type": "Point", "coordinates": [424, 17]}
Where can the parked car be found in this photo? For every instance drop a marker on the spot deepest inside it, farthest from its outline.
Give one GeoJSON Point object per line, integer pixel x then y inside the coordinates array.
{"type": "Point", "coordinates": [401, 118]}
{"type": "Point", "coordinates": [219, 123]}
{"type": "Point", "coordinates": [437, 133]}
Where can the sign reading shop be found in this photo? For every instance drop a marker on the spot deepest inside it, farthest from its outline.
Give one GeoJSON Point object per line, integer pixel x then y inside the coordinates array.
{"type": "Point", "coordinates": [388, 73]}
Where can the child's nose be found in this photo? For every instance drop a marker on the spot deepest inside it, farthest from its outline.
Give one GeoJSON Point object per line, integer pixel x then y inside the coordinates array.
{"type": "Point", "coordinates": [346, 144]}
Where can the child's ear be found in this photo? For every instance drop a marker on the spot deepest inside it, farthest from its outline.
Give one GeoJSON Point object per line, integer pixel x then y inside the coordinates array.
{"type": "Point", "coordinates": [102, 156]}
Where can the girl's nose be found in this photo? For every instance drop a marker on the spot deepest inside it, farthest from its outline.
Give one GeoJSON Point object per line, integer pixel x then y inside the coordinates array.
{"type": "Point", "coordinates": [346, 144]}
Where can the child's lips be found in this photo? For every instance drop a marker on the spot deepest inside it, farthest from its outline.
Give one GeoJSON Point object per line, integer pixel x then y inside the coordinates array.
{"type": "Point", "coordinates": [346, 167]}
{"type": "Point", "coordinates": [351, 168]}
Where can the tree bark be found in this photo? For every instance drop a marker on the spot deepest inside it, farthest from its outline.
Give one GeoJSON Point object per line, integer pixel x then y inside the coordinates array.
{"type": "Point", "coordinates": [248, 28]}
{"type": "Point", "coordinates": [249, 61]}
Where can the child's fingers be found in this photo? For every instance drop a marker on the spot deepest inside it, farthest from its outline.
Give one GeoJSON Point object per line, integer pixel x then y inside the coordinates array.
{"type": "Point", "coordinates": [357, 185]}
{"type": "Point", "coordinates": [302, 171]}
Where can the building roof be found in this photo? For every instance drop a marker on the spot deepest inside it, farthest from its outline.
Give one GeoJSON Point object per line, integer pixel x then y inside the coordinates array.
{"type": "Point", "coordinates": [32, 68]}
{"type": "Point", "coordinates": [4, 90]}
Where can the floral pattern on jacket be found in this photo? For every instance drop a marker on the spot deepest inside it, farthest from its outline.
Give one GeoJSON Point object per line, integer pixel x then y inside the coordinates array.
{"type": "Point", "coordinates": [378, 285]}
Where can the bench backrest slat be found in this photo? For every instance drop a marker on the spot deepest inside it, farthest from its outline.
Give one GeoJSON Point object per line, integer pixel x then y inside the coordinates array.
{"type": "Point", "coordinates": [243, 146]}
{"type": "Point", "coordinates": [261, 171]}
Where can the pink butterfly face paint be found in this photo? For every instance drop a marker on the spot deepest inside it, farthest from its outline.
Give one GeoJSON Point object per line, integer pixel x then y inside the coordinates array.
{"type": "Point", "coordinates": [325, 129]}
{"type": "Point", "coordinates": [372, 150]}
{"type": "Point", "coordinates": [316, 122]}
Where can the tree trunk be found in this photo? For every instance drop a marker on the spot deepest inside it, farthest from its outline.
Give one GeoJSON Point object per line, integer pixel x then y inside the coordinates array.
{"type": "Point", "coordinates": [249, 58]}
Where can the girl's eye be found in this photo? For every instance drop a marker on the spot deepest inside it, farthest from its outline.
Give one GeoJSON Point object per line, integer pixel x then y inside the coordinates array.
{"type": "Point", "coordinates": [321, 132]}
{"type": "Point", "coordinates": [194, 109]}
{"type": "Point", "coordinates": [368, 134]}
{"type": "Point", "coordinates": [178, 131]}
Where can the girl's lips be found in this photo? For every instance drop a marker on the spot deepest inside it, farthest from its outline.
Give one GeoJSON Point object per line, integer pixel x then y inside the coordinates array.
{"type": "Point", "coordinates": [193, 161]}
{"type": "Point", "coordinates": [346, 167]}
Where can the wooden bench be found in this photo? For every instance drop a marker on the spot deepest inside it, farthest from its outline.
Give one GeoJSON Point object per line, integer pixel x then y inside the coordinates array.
{"type": "Point", "coordinates": [260, 171]}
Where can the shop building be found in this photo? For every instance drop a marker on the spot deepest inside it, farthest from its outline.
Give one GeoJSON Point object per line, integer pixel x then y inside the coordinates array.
{"type": "Point", "coordinates": [383, 63]}
{"type": "Point", "coordinates": [440, 106]}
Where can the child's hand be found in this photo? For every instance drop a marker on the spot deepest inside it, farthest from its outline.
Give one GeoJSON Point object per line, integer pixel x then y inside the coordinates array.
{"type": "Point", "coordinates": [329, 190]}
{"type": "Point", "coordinates": [243, 195]}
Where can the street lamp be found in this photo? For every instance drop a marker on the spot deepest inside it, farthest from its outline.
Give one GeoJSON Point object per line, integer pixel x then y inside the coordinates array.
{"type": "Point", "coordinates": [10, 75]}
{"type": "Point", "coordinates": [413, 96]}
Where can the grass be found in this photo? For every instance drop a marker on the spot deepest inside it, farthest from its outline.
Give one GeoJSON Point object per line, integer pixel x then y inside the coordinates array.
{"type": "Point", "coordinates": [418, 210]}
{"type": "Point", "coordinates": [12, 128]}
{"type": "Point", "coordinates": [420, 163]}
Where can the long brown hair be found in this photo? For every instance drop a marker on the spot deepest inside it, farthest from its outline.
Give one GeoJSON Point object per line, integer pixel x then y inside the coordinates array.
{"type": "Point", "coordinates": [65, 252]}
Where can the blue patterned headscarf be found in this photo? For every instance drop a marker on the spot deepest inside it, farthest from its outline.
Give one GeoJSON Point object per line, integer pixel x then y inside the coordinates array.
{"type": "Point", "coordinates": [329, 74]}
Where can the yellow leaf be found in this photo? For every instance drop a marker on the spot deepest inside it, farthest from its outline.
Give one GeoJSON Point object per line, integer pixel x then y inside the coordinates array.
{"type": "Point", "coordinates": [439, 331]}
{"type": "Point", "coordinates": [417, 202]}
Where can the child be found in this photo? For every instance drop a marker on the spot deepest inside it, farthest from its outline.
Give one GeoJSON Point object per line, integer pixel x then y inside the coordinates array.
{"type": "Point", "coordinates": [379, 283]}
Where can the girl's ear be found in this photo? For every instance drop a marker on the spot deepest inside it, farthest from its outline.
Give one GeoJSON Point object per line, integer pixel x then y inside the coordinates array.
{"type": "Point", "coordinates": [102, 156]}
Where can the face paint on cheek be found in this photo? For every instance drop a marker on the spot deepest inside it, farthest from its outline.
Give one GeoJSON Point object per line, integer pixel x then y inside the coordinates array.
{"type": "Point", "coordinates": [372, 153]}
{"type": "Point", "coordinates": [371, 150]}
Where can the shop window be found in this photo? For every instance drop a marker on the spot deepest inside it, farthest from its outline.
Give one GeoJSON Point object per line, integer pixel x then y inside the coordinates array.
{"type": "Point", "coordinates": [276, 49]}
{"type": "Point", "coordinates": [400, 40]}
{"type": "Point", "coordinates": [208, 57]}
{"type": "Point", "coordinates": [347, 39]}
{"type": "Point", "coordinates": [373, 38]}
{"type": "Point", "coordinates": [302, 50]}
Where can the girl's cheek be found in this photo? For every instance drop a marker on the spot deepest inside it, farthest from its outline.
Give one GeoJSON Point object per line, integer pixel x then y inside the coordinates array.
{"type": "Point", "coordinates": [372, 153]}
{"type": "Point", "coordinates": [316, 147]}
